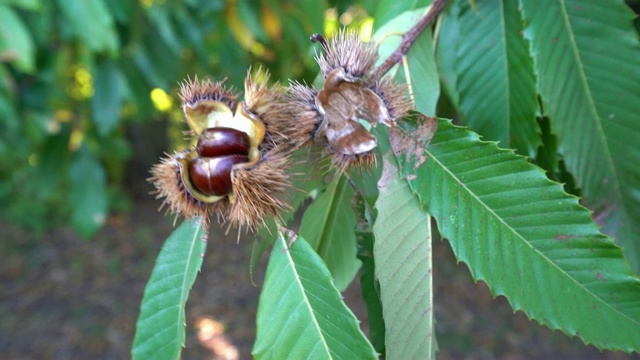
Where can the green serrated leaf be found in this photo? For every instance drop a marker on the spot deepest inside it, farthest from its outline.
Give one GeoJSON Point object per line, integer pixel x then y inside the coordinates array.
{"type": "Point", "coordinates": [586, 57]}
{"type": "Point", "coordinates": [160, 327]}
{"type": "Point", "coordinates": [526, 238]}
{"type": "Point", "coordinates": [402, 253]}
{"type": "Point", "coordinates": [16, 44]}
{"type": "Point", "coordinates": [329, 224]}
{"type": "Point", "coordinates": [107, 99]}
{"type": "Point", "coordinates": [88, 195]}
{"type": "Point", "coordinates": [301, 314]}
{"type": "Point", "coordinates": [496, 81]}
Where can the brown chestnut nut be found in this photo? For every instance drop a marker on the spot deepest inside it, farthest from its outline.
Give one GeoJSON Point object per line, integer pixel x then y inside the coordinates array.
{"type": "Point", "coordinates": [212, 176]}
{"type": "Point", "coordinates": [220, 141]}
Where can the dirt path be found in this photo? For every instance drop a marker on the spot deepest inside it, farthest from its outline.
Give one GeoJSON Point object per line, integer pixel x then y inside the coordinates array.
{"type": "Point", "coordinates": [63, 297]}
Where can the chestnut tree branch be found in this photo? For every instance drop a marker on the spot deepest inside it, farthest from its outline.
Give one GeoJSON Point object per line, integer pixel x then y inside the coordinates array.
{"type": "Point", "coordinates": [408, 39]}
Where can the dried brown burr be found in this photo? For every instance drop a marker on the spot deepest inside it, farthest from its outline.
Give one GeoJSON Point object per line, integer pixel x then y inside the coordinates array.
{"type": "Point", "coordinates": [350, 103]}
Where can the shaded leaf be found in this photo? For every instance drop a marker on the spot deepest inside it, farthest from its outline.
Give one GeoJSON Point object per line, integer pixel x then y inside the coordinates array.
{"type": "Point", "coordinates": [586, 58]}
{"type": "Point", "coordinates": [55, 156]}
{"type": "Point", "coordinates": [107, 98]}
{"type": "Point", "coordinates": [547, 156]}
{"type": "Point", "coordinates": [160, 16]}
{"type": "Point", "coordinates": [447, 36]}
{"type": "Point", "coordinates": [160, 327]}
{"type": "Point", "coordinates": [526, 238]}
{"type": "Point", "coordinates": [496, 81]}
{"type": "Point", "coordinates": [368, 282]}
{"type": "Point", "coordinates": [328, 225]}
{"type": "Point", "coordinates": [301, 314]}
{"type": "Point", "coordinates": [88, 195]}
{"type": "Point", "coordinates": [402, 253]}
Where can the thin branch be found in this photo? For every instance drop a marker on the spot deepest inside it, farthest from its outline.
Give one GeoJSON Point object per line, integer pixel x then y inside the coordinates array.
{"type": "Point", "coordinates": [408, 39]}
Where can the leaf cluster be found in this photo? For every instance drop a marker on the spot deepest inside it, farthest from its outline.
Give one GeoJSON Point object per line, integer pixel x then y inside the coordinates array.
{"type": "Point", "coordinates": [555, 86]}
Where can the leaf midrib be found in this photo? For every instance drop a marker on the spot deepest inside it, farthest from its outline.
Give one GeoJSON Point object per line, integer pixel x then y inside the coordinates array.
{"type": "Point", "coordinates": [304, 295]}
{"type": "Point", "coordinates": [184, 293]}
{"type": "Point", "coordinates": [518, 236]}
{"type": "Point", "coordinates": [592, 106]}
{"type": "Point", "coordinates": [507, 88]}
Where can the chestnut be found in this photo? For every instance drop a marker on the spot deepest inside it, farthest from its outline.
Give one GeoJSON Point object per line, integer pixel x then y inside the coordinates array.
{"type": "Point", "coordinates": [212, 176]}
{"type": "Point", "coordinates": [220, 141]}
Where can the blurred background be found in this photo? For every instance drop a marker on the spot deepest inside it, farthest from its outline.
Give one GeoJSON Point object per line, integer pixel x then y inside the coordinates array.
{"type": "Point", "coordinates": [88, 102]}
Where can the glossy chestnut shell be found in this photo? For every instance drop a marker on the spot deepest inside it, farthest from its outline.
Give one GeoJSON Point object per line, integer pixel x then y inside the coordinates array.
{"type": "Point", "coordinates": [212, 175]}
{"type": "Point", "coordinates": [221, 141]}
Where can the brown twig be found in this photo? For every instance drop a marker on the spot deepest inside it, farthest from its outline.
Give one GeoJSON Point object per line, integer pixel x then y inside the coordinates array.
{"type": "Point", "coordinates": [408, 39]}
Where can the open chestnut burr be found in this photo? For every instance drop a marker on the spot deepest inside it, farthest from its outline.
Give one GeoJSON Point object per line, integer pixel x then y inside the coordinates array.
{"type": "Point", "coordinates": [351, 102]}
{"type": "Point", "coordinates": [237, 167]}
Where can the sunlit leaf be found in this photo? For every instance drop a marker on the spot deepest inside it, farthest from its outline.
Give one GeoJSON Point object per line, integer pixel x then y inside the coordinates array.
{"type": "Point", "coordinates": [423, 74]}
{"type": "Point", "coordinates": [160, 327]}
{"type": "Point", "coordinates": [301, 314]}
{"type": "Point", "coordinates": [402, 253]}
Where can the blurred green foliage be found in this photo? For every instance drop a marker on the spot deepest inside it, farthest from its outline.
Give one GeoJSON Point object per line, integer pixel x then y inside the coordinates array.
{"type": "Point", "coordinates": [76, 74]}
